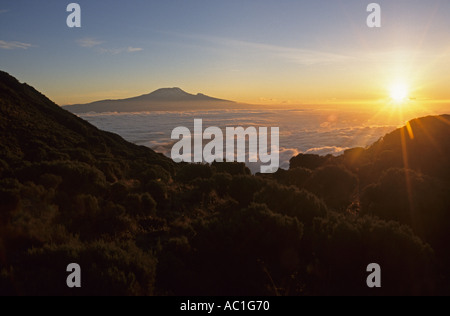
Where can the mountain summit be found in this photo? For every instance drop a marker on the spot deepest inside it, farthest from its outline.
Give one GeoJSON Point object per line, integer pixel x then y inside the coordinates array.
{"type": "Point", "coordinates": [168, 93]}
{"type": "Point", "coordinates": [166, 99]}
{"type": "Point", "coordinates": [173, 95]}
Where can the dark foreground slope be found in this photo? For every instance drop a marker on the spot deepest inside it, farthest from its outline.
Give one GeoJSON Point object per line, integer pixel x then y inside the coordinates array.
{"type": "Point", "coordinates": [138, 224]}
{"type": "Point", "coordinates": [404, 177]}
{"type": "Point", "coordinates": [34, 129]}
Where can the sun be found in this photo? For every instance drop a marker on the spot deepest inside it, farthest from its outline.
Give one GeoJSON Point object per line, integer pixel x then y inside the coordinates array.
{"type": "Point", "coordinates": [399, 93]}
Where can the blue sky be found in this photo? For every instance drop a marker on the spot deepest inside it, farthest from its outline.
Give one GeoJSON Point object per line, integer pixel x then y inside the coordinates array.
{"type": "Point", "coordinates": [247, 50]}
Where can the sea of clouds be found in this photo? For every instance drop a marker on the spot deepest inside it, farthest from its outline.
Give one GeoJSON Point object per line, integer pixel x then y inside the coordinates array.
{"type": "Point", "coordinates": [314, 131]}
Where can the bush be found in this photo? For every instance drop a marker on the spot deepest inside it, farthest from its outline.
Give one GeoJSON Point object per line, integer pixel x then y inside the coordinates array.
{"type": "Point", "coordinates": [4, 168]}
{"type": "Point", "coordinates": [77, 177]}
{"type": "Point", "coordinates": [234, 255]}
{"type": "Point", "coordinates": [345, 245]}
{"type": "Point", "coordinates": [336, 185]}
{"type": "Point", "coordinates": [413, 199]}
{"type": "Point", "coordinates": [243, 188]}
{"type": "Point", "coordinates": [50, 181]}
{"type": "Point", "coordinates": [9, 202]}
{"type": "Point", "coordinates": [222, 183]}
{"type": "Point", "coordinates": [92, 218]}
{"type": "Point", "coordinates": [292, 202]}
{"type": "Point", "coordinates": [81, 155]}
{"type": "Point", "coordinates": [119, 192]}
{"type": "Point", "coordinates": [154, 172]}
{"type": "Point", "coordinates": [148, 205]}
{"type": "Point", "coordinates": [133, 204]}
{"type": "Point", "coordinates": [307, 161]}
{"type": "Point", "coordinates": [158, 190]}
{"type": "Point", "coordinates": [232, 168]}
{"type": "Point", "coordinates": [190, 172]}
{"type": "Point", "coordinates": [296, 177]}
{"type": "Point", "coordinates": [107, 269]}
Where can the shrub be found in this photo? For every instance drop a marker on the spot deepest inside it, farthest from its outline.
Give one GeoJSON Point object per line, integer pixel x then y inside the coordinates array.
{"type": "Point", "coordinates": [232, 168]}
{"type": "Point", "coordinates": [292, 202]}
{"type": "Point", "coordinates": [148, 205]}
{"type": "Point", "coordinates": [222, 183]}
{"type": "Point", "coordinates": [336, 185]}
{"type": "Point", "coordinates": [240, 252]}
{"type": "Point", "coordinates": [158, 190]}
{"type": "Point", "coordinates": [345, 245]}
{"type": "Point", "coordinates": [296, 177]}
{"type": "Point", "coordinates": [308, 161]}
{"type": "Point", "coordinates": [243, 188]}
{"type": "Point", "coordinates": [190, 172]}
{"type": "Point", "coordinates": [107, 269]}
{"type": "Point", "coordinates": [4, 168]}
{"type": "Point", "coordinates": [50, 181]}
{"type": "Point", "coordinates": [413, 199]}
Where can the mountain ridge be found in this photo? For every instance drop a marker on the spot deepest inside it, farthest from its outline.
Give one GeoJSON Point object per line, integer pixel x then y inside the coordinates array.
{"type": "Point", "coordinates": [161, 99]}
{"type": "Point", "coordinates": [33, 128]}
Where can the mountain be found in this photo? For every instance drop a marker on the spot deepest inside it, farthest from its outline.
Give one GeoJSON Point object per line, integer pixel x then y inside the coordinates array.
{"type": "Point", "coordinates": [174, 95]}
{"type": "Point", "coordinates": [34, 129]}
{"type": "Point", "coordinates": [423, 145]}
{"type": "Point", "coordinates": [167, 99]}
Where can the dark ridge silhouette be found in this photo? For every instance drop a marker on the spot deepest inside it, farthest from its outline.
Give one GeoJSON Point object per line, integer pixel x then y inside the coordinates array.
{"type": "Point", "coordinates": [422, 145]}
{"type": "Point", "coordinates": [35, 129]}
{"type": "Point", "coordinates": [160, 100]}
{"type": "Point", "coordinates": [139, 224]}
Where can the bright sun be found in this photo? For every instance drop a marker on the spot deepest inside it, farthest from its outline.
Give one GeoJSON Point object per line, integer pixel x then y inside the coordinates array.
{"type": "Point", "coordinates": [399, 93]}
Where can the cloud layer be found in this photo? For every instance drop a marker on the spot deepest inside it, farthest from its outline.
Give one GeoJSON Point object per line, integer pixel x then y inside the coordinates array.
{"type": "Point", "coordinates": [14, 45]}
{"type": "Point", "coordinates": [300, 131]}
{"type": "Point", "coordinates": [97, 46]}
{"type": "Point", "coordinates": [89, 42]}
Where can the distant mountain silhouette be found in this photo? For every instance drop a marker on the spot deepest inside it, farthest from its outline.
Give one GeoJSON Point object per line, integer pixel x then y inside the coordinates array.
{"type": "Point", "coordinates": [174, 99]}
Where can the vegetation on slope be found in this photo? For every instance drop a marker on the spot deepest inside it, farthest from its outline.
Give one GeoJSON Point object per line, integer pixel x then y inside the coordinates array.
{"type": "Point", "coordinates": [138, 224]}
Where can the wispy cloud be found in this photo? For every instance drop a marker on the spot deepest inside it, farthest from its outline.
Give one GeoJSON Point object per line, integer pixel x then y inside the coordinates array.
{"type": "Point", "coordinates": [98, 47]}
{"type": "Point", "coordinates": [14, 45]}
{"type": "Point", "coordinates": [305, 57]}
{"type": "Point", "coordinates": [89, 42]}
{"type": "Point", "coordinates": [117, 51]}
{"type": "Point", "coordinates": [3, 11]}
{"type": "Point", "coordinates": [134, 49]}
{"type": "Point", "coordinates": [300, 56]}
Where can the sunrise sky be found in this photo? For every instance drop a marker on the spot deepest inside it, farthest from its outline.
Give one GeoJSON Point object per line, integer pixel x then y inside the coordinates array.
{"type": "Point", "coordinates": [254, 51]}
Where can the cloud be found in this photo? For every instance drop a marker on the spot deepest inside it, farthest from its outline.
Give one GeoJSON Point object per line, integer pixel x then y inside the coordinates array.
{"type": "Point", "coordinates": [134, 49]}
{"type": "Point", "coordinates": [300, 56]}
{"type": "Point", "coordinates": [300, 130]}
{"type": "Point", "coordinates": [327, 150]}
{"type": "Point", "coordinates": [3, 11]}
{"type": "Point", "coordinates": [112, 51]}
{"type": "Point", "coordinates": [117, 51]}
{"type": "Point", "coordinates": [89, 42]}
{"type": "Point", "coordinates": [14, 45]}
{"type": "Point", "coordinates": [305, 57]}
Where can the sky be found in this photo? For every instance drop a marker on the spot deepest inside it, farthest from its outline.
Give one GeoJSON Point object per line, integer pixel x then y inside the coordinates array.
{"type": "Point", "coordinates": [253, 51]}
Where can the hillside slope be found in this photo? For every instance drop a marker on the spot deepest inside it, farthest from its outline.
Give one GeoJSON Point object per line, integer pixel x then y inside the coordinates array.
{"type": "Point", "coordinates": [34, 129]}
